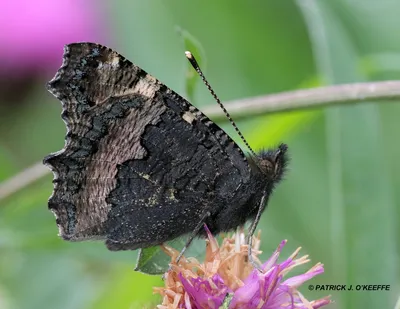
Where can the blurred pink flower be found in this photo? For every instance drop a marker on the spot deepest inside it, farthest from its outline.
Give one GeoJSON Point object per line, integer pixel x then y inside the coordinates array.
{"type": "Point", "coordinates": [33, 33]}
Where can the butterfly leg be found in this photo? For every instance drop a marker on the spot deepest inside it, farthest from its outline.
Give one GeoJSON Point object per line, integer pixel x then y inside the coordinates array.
{"type": "Point", "coordinates": [193, 235]}
{"type": "Point", "coordinates": [251, 233]}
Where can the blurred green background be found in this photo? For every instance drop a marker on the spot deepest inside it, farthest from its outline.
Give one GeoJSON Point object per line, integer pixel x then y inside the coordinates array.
{"type": "Point", "coordinates": [340, 199]}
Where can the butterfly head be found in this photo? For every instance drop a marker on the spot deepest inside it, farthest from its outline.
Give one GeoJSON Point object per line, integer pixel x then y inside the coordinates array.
{"type": "Point", "coordinates": [272, 163]}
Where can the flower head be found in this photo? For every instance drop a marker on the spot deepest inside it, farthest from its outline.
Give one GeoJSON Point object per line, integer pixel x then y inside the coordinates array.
{"type": "Point", "coordinates": [227, 273]}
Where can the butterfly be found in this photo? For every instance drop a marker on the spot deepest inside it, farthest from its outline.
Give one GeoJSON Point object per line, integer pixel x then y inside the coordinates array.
{"type": "Point", "coordinates": [141, 165]}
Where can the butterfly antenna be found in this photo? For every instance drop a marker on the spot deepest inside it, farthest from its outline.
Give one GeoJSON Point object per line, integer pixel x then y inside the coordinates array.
{"type": "Point", "coordinates": [196, 66]}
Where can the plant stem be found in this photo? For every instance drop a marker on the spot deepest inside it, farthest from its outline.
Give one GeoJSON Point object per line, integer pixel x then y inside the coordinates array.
{"type": "Point", "coordinates": [307, 99]}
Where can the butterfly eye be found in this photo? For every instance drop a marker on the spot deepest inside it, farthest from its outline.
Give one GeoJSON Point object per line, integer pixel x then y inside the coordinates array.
{"type": "Point", "coordinates": [266, 165]}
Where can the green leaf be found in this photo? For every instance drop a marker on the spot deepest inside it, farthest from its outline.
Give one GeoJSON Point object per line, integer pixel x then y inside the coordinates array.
{"type": "Point", "coordinates": [152, 261]}
{"type": "Point", "coordinates": [155, 261]}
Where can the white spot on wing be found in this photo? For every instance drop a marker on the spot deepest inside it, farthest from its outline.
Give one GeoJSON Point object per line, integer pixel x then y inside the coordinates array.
{"type": "Point", "coordinates": [188, 117]}
{"type": "Point", "coordinates": [115, 62]}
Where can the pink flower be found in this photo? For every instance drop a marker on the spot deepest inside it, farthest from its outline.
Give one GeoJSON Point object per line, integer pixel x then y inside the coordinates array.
{"type": "Point", "coordinates": [271, 291]}
{"type": "Point", "coordinates": [227, 271]}
{"type": "Point", "coordinates": [204, 293]}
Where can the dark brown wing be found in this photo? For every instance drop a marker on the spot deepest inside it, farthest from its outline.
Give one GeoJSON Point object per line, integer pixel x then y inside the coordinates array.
{"type": "Point", "coordinates": [140, 164]}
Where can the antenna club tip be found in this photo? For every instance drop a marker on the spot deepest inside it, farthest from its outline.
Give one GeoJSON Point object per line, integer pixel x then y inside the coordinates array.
{"type": "Point", "coordinates": [188, 55]}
